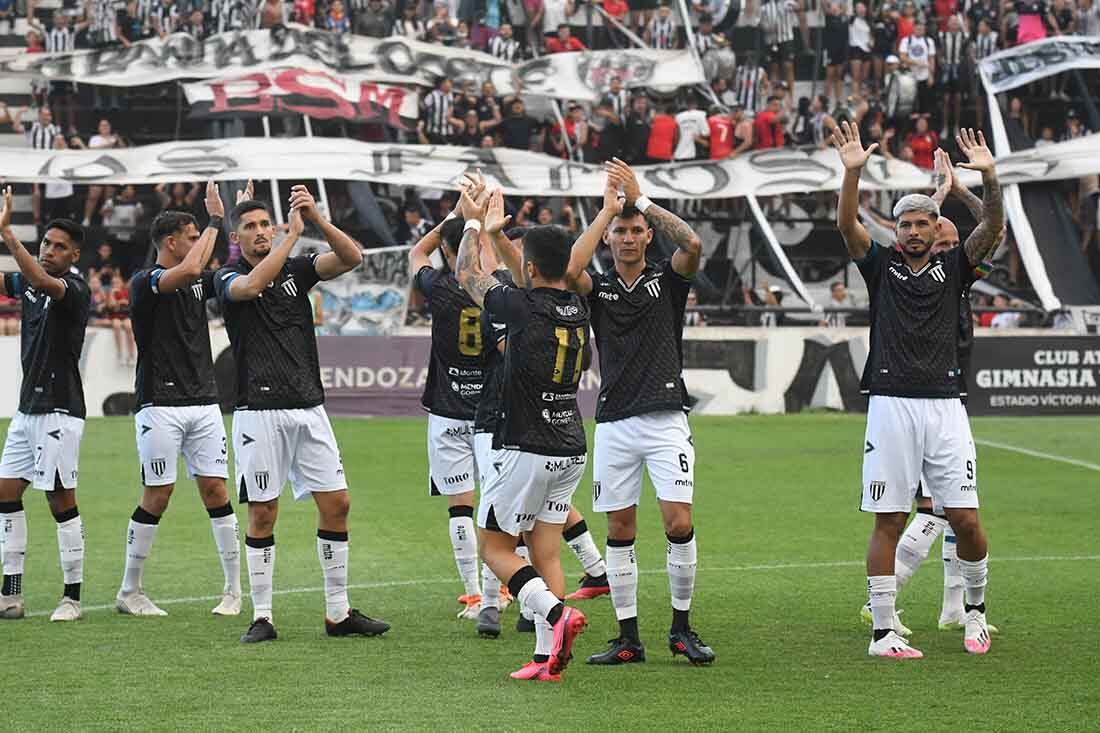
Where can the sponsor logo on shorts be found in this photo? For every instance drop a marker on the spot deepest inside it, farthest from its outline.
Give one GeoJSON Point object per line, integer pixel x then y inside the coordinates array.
{"type": "Point", "coordinates": [968, 487]}
{"type": "Point", "coordinates": [158, 465]}
{"type": "Point", "coordinates": [685, 482]}
{"type": "Point", "coordinates": [456, 479]}
{"type": "Point", "coordinates": [459, 431]}
{"type": "Point", "coordinates": [524, 518]}
{"type": "Point", "coordinates": [561, 464]}
{"type": "Point", "coordinates": [877, 490]}
{"type": "Point", "coordinates": [557, 506]}
{"type": "Point", "coordinates": [261, 480]}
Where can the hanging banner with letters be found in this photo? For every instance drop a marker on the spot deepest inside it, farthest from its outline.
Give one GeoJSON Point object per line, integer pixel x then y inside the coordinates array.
{"type": "Point", "coordinates": [1020, 65]}
{"type": "Point", "coordinates": [580, 75]}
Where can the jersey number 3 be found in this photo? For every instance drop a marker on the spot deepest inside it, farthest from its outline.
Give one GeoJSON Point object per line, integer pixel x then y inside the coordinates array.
{"type": "Point", "coordinates": [469, 332]}
{"type": "Point", "coordinates": [566, 346]}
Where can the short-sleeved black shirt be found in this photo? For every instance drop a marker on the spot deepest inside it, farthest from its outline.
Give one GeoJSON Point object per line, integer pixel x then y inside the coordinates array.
{"type": "Point", "coordinates": [492, 365]}
{"type": "Point", "coordinates": [455, 373]}
{"type": "Point", "coordinates": [639, 333]}
{"type": "Point", "coordinates": [273, 341]}
{"type": "Point", "coordinates": [548, 350]}
{"type": "Point", "coordinates": [52, 338]}
{"type": "Point", "coordinates": [175, 365]}
{"type": "Point", "coordinates": [914, 342]}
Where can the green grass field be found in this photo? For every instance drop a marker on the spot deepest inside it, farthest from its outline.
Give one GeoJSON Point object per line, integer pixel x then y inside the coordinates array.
{"type": "Point", "coordinates": [777, 595]}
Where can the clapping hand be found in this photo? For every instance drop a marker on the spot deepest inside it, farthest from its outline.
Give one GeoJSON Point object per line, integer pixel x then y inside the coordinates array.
{"type": "Point", "coordinates": [214, 205]}
{"type": "Point", "coordinates": [977, 153]}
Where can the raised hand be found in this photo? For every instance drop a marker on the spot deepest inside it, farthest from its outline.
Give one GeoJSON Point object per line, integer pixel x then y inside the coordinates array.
{"type": "Point", "coordinates": [214, 205]}
{"type": "Point", "coordinates": [945, 178]}
{"type": "Point", "coordinates": [613, 201]}
{"type": "Point", "coordinates": [471, 208]}
{"type": "Point", "coordinates": [5, 212]}
{"type": "Point", "coordinates": [295, 224]}
{"type": "Point", "coordinates": [623, 177]}
{"type": "Point", "coordinates": [247, 193]}
{"type": "Point", "coordinates": [846, 141]}
{"type": "Point", "coordinates": [974, 148]}
{"type": "Point", "coordinates": [302, 200]}
{"type": "Point", "coordinates": [495, 219]}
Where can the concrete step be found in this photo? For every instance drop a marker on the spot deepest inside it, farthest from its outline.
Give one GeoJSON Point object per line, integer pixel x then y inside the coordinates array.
{"type": "Point", "coordinates": [12, 140]}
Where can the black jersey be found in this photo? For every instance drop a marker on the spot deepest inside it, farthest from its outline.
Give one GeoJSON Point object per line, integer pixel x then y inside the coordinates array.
{"type": "Point", "coordinates": [914, 323]}
{"type": "Point", "coordinates": [455, 377]}
{"type": "Point", "coordinates": [548, 350]}
{"type": "Point", "coordinates": [966, 343]}
{"type": "Point", "coordinates": [492, 365]}
{"type": "Point", "coordinates": [52, 338]}
{"type": "Point", "coordinates": [174, 364]}
{"type": "Point", "coordinates": [639, 334]}
{"type": "Point", "coordinates": [274, 346]}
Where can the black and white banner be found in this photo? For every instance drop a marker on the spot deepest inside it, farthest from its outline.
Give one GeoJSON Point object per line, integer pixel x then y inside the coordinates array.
{"type": "Point", "coordinates": [316, 93]}
{"type": "Point", "coordinates": [1015, 67]}
{"type": "Point", "coordinates": [582, 75]}
{"type": "Point", "coordinates": [518, 172]}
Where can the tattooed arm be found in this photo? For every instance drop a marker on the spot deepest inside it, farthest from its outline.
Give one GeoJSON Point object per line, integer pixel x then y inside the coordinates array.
{"type": "Point", "coordinates": [468, 270]}
{"type": "Point", "coordinates": [983, 240]}
{"type": "Point", "coordinates": [685, 262]}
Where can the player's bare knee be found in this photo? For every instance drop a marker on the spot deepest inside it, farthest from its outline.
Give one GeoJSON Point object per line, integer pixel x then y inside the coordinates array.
{"type": "Point", "coordinates": [335, 506]}
{"type": "Point", "coordinates": [261, 518]}
{"type": "Point", "coordinates": [11, 489]}
{"type": "Point", "coordinates": [891, 524]}
{"type": "Point", "coordinates": [61, 500]}
{"type": "Point", "coordinates": [154, 499]}
{"type": "Point", "coordinates": [212, 491]}
{"type": "Point", "coordinates": [965, 523]}
{"type": "Point", "coordinates": [677, 519]}
{"type": "Point", "coordinates": [622, 524]}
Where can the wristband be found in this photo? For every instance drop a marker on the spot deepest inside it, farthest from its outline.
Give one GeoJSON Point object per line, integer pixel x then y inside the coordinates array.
{"type": "Point", "coordinates": [472, 224]}
{"type": "Point", "coordinates": [215, 222]}
{"type": "Point", "coordinates": [642, 203]}
{"type": "Point", "coordinates": [452, 215]}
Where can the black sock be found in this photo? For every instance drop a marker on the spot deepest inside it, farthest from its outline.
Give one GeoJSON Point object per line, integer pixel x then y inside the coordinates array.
{"type": "Point", "coordinates": [72, 590]}
{"type": "Point", "coordinates": [880, 633]}
{"type": "Point", "coordinates": [13, 585]}
{"type": "Point", "coordinates": [680, 620]}
{"type": "Point", "coordinates": [628, 628]}
{"type": "Point", "coordinates": [980, 607]}
{"type": "Point", "coordinates": [542, 658]}
{"type": "Point", "coordinates": [555, 614]}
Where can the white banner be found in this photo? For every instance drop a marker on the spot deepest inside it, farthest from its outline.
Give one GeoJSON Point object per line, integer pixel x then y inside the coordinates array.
{"type": "Point", "coordinates": [312, 92]}
{"type": "Point", "coordinates": [372, 299]}
{"type": "Point", "coordinates": [518, 172]}
{"type": "Point", "coordinates": [1015, 67]}
{"type": "Point", "coordinates": [582, 75]}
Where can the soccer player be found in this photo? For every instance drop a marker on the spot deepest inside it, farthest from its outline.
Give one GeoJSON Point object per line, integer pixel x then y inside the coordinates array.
{"type": "Point", "coordinates": [280, 428]}
{"type": "Point", "coordinates": [916, 425]}
{"type": "Point", "coordinates": [43, 442]}
{"type": "Point", "coordinates": [177, 399]}
{"type": "Point", "coordinates": [539, 448]}
{"type": "Point", "coordinates": [638, 318]}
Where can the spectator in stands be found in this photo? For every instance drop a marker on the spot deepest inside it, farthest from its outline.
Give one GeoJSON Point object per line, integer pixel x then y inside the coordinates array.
{"type": "Point", "coordinates": [41, 136]}
{"type": "Point", "coordinates": [885, 32]}
{"type": "Point", "coordinates": [661, 31]}
{"type": "Point", "coordinates": [859, 47]}
{"type": "Point", "coordinates": [637, 130]}
{"type": "Point", "coordinates": [61, 38]}
{"type": "Point", "coordinates": [1034, 18]}
{"type": "Point", "coordinates": [982, 44]}
{"type": "Point", "coordinates": [555, 13]}
{"type": "Point", "coordinates": [570, 141]}
{"type": "Point", "coordinates": [705, 38]}
{"type": "Point", "coordinates": [518, 130]}
{"type": "Point", "coordinates": [375, 20]}
{"type": "Point", "coordinates": [778, 20]}
{"type": "Point", "coordinates": [978, 11]}
{"type": "Point", "coordinates": [612, 132]}
{"type": "Point", "coordinates": [131, 27]}
{"type": "Point", "coordinates": [118, 310]}
{"type": "Point", "coordinates": [923, 142]}
{"type": "Point", "coordinates": [178, 197]}
{"type": "Point", "coordinates": [469, 135]}
{"type": "Point", "coordinates": [838, 298]}
{"type": "Point", "coordinates": [409, 25]}
{"type": "Point", "coordinates": [619, 10]}
{"type": "Point", "coordinates": [768, 126]}
{"type": "Point", "coordinates": [235, 15]}
{"type": "Point", "coordinates": [1006, 319]}
{"type": "Point", "coordinates": [834, 44]}
{"type": "Point", "coordinates": [950, 58]}
{"type": "Point", "coordinates": [663, 135]}
{"type": "Point", "coordinates": [104, 266]}
{"type": "Point", "coordinates": [60, 201]}
{"type": "Point", "coordinates": [7, 14]}
{"type": "Point", "coordinates": [1088, 18]}
{"type": "Point", "coordinates": [918, 54]}
{"type": "Point", "coordinates": [305, 12]}
{"type": "Point", "coordinates": [907, 20]}
{"type": "Point", "coordinates": [438, 120]}
{"type": "Point", "coordinates": [751, 84]}
{"type": "Point", "coordinates": [336, 20]}
{"type": "Point", "coordinates": [195, 25]}
{"type": "Point", "coordinates": [693, 317]}
{"type": "Point", "coordinates": [693, 131]}
{"type": "Point", "coordinates": [414, 225]}
{"type": "Point", "coordinates": [442, 26]}
{"type": "Point", "coordinates": [104, 138]}
{"type": "Point", "coordinates": [164, 16]}
{"type": "Point", "coordinates": [1074, 129]}
{"type": "Point", "coordinates": [564, 41]}
{"type": "Point", "coordinates": [488, 107]}
{"type": "Point", "coordinates": [121, 215]}
{"type": "Point", "coordinates": [503, 46]}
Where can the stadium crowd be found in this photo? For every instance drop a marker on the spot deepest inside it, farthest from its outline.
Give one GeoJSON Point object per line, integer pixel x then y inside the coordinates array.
{"type": "Point", "coordinates": [904, 72]}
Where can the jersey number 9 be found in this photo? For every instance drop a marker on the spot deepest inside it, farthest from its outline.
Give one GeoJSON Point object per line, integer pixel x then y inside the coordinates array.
{"type": "Point", "coordinates": [567, 347]}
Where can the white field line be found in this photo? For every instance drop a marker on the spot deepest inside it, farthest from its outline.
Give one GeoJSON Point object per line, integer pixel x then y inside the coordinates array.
{"type": "Point", "coordinates": [652, 571]}
{"type": "Point", "coordinates": [1037, 454]}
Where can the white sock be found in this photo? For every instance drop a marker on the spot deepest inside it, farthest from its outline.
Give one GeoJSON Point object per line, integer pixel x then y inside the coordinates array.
{"type": "Point", "coordinates": [681, 561]}
{"type": "Point", "coordinates": [622, 576]}
{"type": "Point", "coordinates": [13, 541]}
{"type": "Point", "coordinates": [535, 595]}
{"type": "Point", "coordinates": [952, 576]}
{"type": "Point", "coordinates": [228, 540]}
{"type": "Point", "coordinates": [583, 546]}
{"type": "Point", "coordinates": [332, 551]}
{"type": "Point", "coordinates": [525, 555]}
{"type": "Point", "coordinates": [975, 573]}
{"type": "Point", "coordinates": [882, 590]}
{"type": "Point", "coordinates": [260, 556]}
{"type": "Point", "coordinates": [490, 588]}
{"type": "Point", "coordinates": [464, 542]}
{"type": "Point", "coordinates": [139, 543]}
{"type": "Point", "coordinates": [70, 544]}
{"type": "Point", "coordinates": [544, 637]}
{"type": "Point", "coordinates": [914, 545]}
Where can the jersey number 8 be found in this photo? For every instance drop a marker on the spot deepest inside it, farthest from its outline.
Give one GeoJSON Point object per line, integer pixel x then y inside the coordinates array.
{"type": "Point", "coordinates": [469, 331]}
{"type": "Point", "coordinates": [566, 346]}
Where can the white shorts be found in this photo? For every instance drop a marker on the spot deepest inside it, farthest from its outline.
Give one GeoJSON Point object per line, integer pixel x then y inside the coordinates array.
{"type": "Point", "coordinates": [196, 431]}
{"type": "Point", "coordinates": [659, 441]}
{"type": "Point", "coordinates": [43, 449]}
{"type": "Point", "coordinates": [911, 440]}
{"type": "Point", "coordinates": [451, 468]}
{"type": "Point", "coordinates": [273, 446]}
{"type": "Point", "coordinates": [483, 455]}
{"type": "Point", "coordinates": [522, 488]}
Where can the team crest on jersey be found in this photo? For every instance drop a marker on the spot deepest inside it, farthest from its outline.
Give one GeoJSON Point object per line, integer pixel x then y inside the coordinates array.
{"type": "Point", "coordinates": [290, 287]}
{"type": "Point", "coordinates": [653, 287]}
{"type": "Point", "coordinates": [877, 490]}
{"type": "Point", "coordinates": [938, 274]}
{"type": "Point", "coordinates": [158, 465]}
{"type": "Point", "coordinates": [261, 480]}
{"type": "Point", "coordinates": [196, 290]}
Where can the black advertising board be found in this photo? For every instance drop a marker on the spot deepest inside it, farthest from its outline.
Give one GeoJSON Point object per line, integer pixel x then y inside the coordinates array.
{"type": "Point", "coordinates": [1035, 375]}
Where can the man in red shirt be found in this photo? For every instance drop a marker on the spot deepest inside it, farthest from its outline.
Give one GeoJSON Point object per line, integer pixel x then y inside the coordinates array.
{"type": "Point", "coordinates": [768, 127]}
{"type": "Point", "coordinates": [663, 135]}
{"type": "Point", "coordinates": [725, 140]}
{"type": "Point", "coordinates": [565, 41]}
